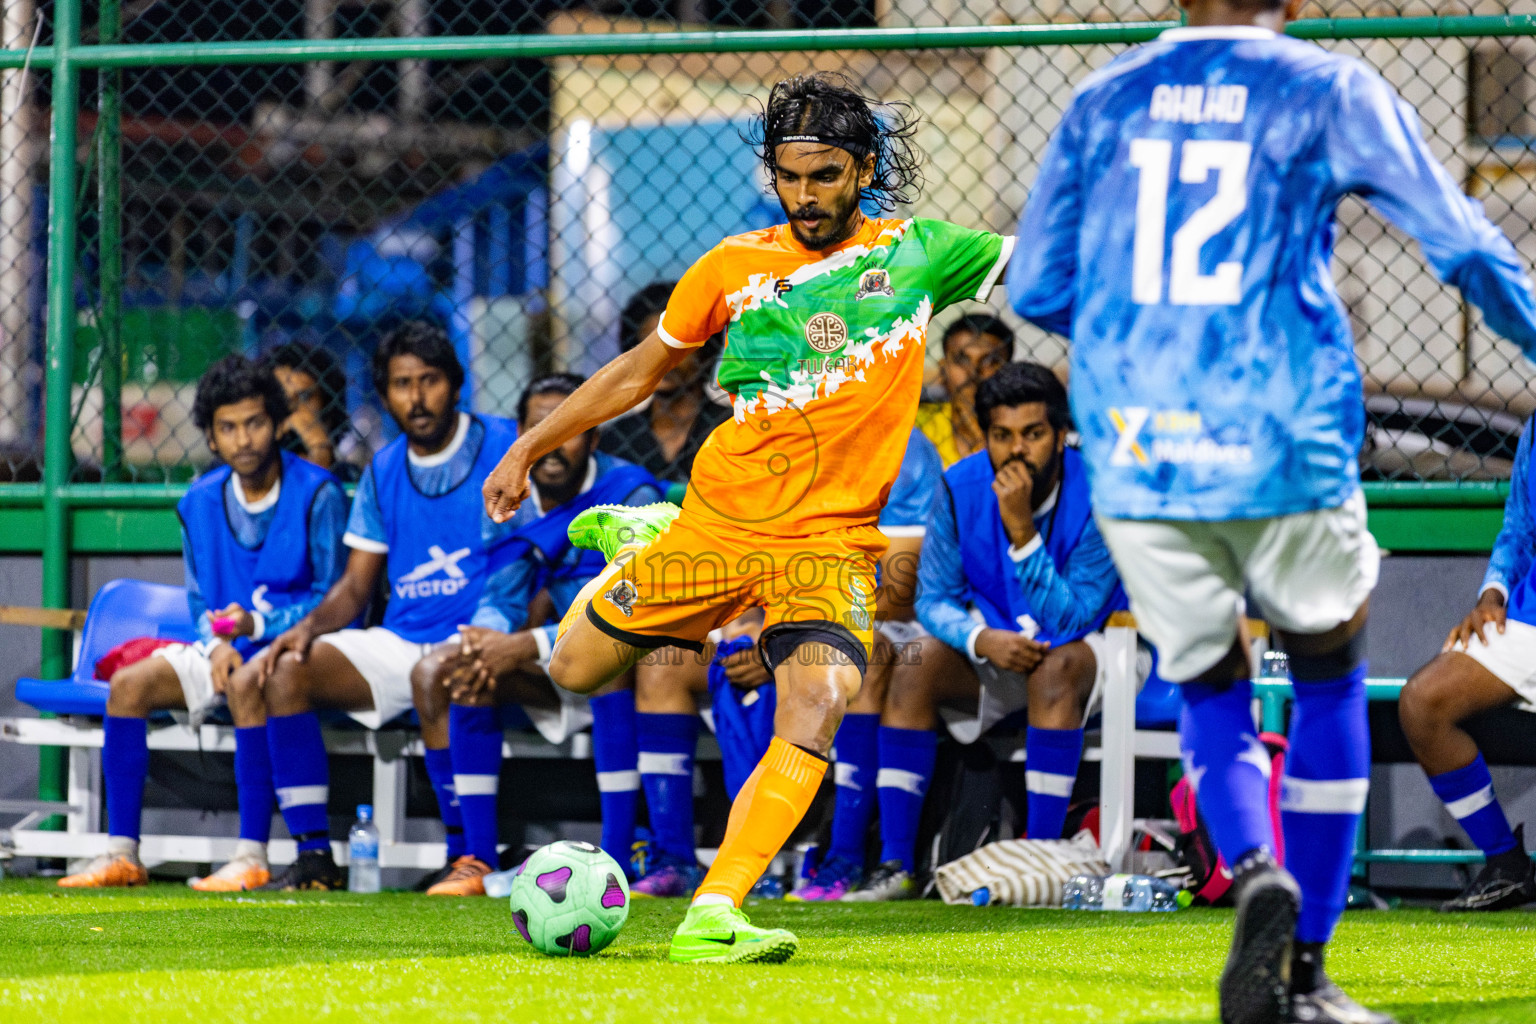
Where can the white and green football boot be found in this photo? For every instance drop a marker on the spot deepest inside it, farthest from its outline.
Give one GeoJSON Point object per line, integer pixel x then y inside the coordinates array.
{"type": "Point", "coordinates": [721, 934]}
{"type": "Point", "coordinates": [607, 528]}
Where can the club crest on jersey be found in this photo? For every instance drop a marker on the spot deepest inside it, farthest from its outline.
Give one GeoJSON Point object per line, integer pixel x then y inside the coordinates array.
{"type": "Point", "coordinates": [622, 595]}
{"type": "Point", "coordinates": [874, 282]}
{"type": "Point", "coordinates": [826, 332]}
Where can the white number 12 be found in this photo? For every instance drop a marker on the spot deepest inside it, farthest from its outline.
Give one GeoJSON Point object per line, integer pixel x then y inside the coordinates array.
{"type": "Point", "coordinates": [1198, 158]}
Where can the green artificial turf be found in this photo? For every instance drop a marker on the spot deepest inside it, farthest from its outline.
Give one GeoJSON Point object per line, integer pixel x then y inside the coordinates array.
{"type": "Point", "coordinates": [169, 954]}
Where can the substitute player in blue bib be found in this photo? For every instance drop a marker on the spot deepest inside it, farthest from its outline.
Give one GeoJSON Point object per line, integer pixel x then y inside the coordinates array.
{"type": "Point", "coordinates": [499, 658]}
{"type": "Point", "coordinates": [261, 540]}
{"type": "Point", "coordinates": [1181, 228]}
{"type": "Point", "coordinates": [1489, 661]}
{"type": "Point", "coordinates": [417, 519]}
{"type": "Point", "coordinates": [1015, 586]}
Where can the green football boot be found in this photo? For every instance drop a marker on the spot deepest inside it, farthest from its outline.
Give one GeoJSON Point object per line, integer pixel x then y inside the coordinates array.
{"type": "Point", "coordinates": [607, 528]}
{"type": "Point", "coordinates": [723, 935]}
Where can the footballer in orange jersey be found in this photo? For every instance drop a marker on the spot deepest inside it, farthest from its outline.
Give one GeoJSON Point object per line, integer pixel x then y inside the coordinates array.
{"type": "Point", "coordinates": [826, 318]}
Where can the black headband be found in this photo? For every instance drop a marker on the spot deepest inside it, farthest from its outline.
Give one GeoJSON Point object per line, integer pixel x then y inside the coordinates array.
{"type": "Point", "coordinates": [857, 150]}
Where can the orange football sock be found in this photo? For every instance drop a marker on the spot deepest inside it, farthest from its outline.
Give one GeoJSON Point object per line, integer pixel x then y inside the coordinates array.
{"type": "Point", "coordinates": [776, 796]}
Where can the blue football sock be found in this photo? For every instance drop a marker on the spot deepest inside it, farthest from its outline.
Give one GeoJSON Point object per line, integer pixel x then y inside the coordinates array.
{"type": "Point", "coordinates": [1327, 776]}
{"type": "Point", "coordinates": [124, 765]}
{"type": "Point", "coordinates": [474, 742]}
{"type": "Point", "coordinates": [253, 782]}
{"type": "Point", "coordinates": [440, 774]}
{"type": "Point", "coordinates": [1468, 794]}
{"type": "Point", "coordinates": [1228, 766]}
{"type": "Point", "coordinates": [667, 744]}
{"type": "Point", "coordinates": [1050, 770]}
{"type": "Point", "coordinates": [856, 750]}
{"type": "Point", "coordinates": [302, 777]}
{"type": "Point", "coordinates": [906, 768]}
{"type": "Point", "coordinates": [616, 757]}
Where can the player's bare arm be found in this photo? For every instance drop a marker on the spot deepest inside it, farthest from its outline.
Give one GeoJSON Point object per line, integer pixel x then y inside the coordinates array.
{"type": "Point", "coordinates": [342, 604]}
{"type": "Point", "coordinates": [612, 391]}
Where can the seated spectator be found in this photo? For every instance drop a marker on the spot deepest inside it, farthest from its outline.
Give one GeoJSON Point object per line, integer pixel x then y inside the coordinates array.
{"type": "Point", "coordinates": [1015, 605]}
{"type": "Point", "coordinates": [261, 540]}
{"type": "Point", "coordinates": [664, 436]}
{"type": "Point", "coordinates": [904, 521]}
{"type": "Point", "coordinates": [1488, 661]}
{"type": "Point", "coordinates": [418, 519]}
{"type": "Point", "coordinates": [974, 348]}
{"type": "Point", "coordinates": [502, 658]}
{"type": "Point", "coordinates": [317, 397]}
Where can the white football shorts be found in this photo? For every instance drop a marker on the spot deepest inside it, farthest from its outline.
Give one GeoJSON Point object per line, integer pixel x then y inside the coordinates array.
{"type": "Point", "coordinates": [1004, 692]}
{"type": "Point", "coordinates": [384, 659]}
{"type": "Point", "coordinates": [1308, 572]}
{"type": "Point", "coordinates": [1510, 655]}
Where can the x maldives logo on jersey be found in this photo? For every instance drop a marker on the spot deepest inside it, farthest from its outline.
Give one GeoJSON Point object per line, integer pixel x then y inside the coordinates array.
{"type": "Point", "coordinates": [419, 582]}
{"type": "Point", "coordinates": [1178, 437]}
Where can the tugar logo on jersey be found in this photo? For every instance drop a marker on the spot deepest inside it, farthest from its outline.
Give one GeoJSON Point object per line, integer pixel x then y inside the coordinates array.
{"type": "Point", "coordinates": [423, 580]}
{"type": "Point", "coordinates": [1177, 437]}
{"type": "Point", "coordinates": [858, 611]}
{"type": "Point", "coordinates": [874, 282]}
{"type": "Point", "coordinates": [1198, 104]}
{"type": "Point", "coordinates": [826, 332]}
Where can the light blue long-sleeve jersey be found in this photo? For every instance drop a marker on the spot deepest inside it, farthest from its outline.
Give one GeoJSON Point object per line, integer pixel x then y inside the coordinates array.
{"type": "Point", "coordinates": [1510, 562]}
{"type": "Point", "coordinates": [1180, 231]}
{"type": "Point", "coordinates": [1064, 602]}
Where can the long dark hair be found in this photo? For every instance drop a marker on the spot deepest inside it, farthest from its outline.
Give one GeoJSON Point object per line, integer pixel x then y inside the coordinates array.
{"type": "Point", "coordinates": [826, 108]}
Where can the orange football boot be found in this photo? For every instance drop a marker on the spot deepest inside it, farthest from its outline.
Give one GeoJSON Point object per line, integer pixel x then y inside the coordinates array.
{"type": "Point", "coordinates": [466, 879]}
{"type": "Point", "coordinates": [236, 876]}
{"type": "Point", "coordinates": [109, 871]}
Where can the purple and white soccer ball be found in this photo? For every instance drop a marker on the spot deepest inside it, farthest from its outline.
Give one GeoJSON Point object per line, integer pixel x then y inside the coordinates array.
{"type": "Point", "coordinates": [569, 899]}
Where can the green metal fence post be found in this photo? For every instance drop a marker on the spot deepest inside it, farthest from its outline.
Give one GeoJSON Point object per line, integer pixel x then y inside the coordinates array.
{"type": "Point", "coordinates": [109, 166]}
{"type": "Point", "coordinates": [58, 458]}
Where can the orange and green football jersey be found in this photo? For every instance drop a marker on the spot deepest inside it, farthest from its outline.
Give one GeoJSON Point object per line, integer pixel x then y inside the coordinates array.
{"type": "Point", "coordinates": [823, 362]}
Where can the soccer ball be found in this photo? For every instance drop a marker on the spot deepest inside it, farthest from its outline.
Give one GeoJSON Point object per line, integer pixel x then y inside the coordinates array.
{"type": "Point", "coordinates": [569, 899]}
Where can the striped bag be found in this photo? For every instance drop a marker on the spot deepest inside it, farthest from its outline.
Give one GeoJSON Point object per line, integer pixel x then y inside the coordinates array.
{"type": "Point", "coordinates": [1021, 872]}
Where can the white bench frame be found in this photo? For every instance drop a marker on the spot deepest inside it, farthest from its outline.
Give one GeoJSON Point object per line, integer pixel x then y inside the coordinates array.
{"type": "Point", "coordinates": [82, 836]}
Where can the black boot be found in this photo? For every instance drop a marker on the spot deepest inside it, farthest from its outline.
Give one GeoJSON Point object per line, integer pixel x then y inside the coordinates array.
{"type": "Point", "coordinates": [1255, 985]}
{"type": "Point", "coordinates": [315, 870]}
{"type": "Point", "coordinates": [1507, 880]}
{"type": "Point", "coordinates": [1315, 999]}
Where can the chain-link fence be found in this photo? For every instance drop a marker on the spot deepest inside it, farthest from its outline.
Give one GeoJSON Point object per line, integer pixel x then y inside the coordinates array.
{"type": "Point", "coordinates": [298, 211]}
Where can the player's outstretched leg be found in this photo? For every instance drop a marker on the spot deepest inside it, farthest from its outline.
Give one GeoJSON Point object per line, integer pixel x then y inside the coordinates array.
{"type": "Point", "coordinates": [815, 682]}
{"type": "Point", "coordinates": [764, 814]}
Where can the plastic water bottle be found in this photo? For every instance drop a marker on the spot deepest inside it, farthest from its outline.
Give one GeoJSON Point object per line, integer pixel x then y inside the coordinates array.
{"type": "Point", "coordinates": [1276, 665]}
{"type": "Point", "coordinates": [498, 884]}
{"type": "Point", "coordinates": [363, 852]}
{"type": "Point", "coordinates": [981, 897]}
{"type": "Point", "coordinates": [1134, 893]}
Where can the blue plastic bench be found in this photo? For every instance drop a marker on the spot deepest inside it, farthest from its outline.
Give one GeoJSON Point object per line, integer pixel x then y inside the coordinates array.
{"type": "Point", "coordinates": [121, 610]}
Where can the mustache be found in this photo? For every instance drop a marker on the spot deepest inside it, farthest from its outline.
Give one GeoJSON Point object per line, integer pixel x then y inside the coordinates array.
{"type": "Point", "coordinates": [810, 213]}
{"type": "Point", "coordinates": [557, 459]}
{"type": "Point", "coordinates": [1030, 466]}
